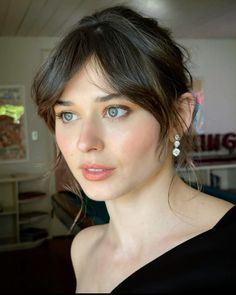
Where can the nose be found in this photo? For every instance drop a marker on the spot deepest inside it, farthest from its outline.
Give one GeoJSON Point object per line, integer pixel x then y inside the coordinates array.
{"type": "Point", "coordinates": [90, 137]}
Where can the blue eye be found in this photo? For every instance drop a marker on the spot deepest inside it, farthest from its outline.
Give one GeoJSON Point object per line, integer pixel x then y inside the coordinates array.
{"type": "Point", "coordinates": [116, 112]}
{"type": "Point", "coordinates": [68, 117]}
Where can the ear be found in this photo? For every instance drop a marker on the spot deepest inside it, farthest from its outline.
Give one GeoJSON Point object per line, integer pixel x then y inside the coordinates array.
{"type": "Point", "coordinates": [185, 108]}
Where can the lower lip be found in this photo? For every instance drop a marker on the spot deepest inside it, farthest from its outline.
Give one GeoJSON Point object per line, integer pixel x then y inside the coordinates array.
{"type": "Point", "coordinates": [97, 175]}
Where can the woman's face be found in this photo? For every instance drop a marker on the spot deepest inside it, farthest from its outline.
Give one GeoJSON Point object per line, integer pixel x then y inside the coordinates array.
{"type": "Point", "coordinates": [108, 142]}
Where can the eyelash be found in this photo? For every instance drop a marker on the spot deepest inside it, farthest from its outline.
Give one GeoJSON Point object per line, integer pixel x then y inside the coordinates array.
{"type": "Point", "coordinates": [60, 116]}
{"type": "Point", "coordinates": [121, 107]}
{"type": "Point", "coordinates": [124, 108]}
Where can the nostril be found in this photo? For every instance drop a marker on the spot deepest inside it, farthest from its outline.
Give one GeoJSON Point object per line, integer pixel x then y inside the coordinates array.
{"type": "Point", "coordinates": [90, 144]}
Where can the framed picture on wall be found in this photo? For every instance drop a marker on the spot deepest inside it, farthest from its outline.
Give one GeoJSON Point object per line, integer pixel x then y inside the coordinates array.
{"type": "Point", "coordinates": [13, 129]}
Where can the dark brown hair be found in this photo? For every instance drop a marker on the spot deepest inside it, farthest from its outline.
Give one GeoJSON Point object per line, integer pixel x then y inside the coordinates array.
{"type": "Point", "coordinates": [138, 58]}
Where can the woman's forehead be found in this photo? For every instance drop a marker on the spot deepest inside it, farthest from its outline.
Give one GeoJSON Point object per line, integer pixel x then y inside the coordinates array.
{"type": "Point", "coordinates": [92, 73]}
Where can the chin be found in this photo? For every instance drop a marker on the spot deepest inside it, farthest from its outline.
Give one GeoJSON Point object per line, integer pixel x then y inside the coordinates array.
{"type": "Point", "coordinates": [96, 196]}
{"type": "Point", "coordinates": [100, 195]}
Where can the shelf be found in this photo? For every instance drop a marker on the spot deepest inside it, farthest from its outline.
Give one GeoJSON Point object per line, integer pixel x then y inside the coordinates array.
{"type": "Point", "coordinates": [8, 211]}
{"type": "Point", "coordinates": [216, 166]}
{"type": "Point", "coordinates": [18, 177]}
{"type": "Point", "coordinates": [32, 234]}
{"type": "Point", "coordinates": [7, 240]}
{"type": "Point", "coordinates": [31, 217]}
{"type": "Point", "coordinates": [29, 197]}
{"type": "Point", "coordinates": [21, 207]}
{"type": "Point", "coordinates": [13, 245]}
{"type": "Point", "coordinates": [211, 166]}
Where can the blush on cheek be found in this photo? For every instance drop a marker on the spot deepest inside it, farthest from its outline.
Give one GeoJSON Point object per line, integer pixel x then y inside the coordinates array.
{"type": "Point", "coordinates": [139, 141]}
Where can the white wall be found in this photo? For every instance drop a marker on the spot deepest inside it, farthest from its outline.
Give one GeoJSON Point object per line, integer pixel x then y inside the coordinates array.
{"type": "Point", "coordinates": [19, 60]}
{"type": "Point", "coordinates": [215, 62]}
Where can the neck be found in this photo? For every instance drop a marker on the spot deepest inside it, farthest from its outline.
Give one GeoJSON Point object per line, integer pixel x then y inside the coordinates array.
{"type": "Point", "coordinates": [146, 212]}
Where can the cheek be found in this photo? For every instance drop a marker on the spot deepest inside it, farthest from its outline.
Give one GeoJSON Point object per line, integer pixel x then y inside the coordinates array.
{"type": "Point", "coordinates": [64, 141]}
{"type": "Point", "coordinates": [139, 142]}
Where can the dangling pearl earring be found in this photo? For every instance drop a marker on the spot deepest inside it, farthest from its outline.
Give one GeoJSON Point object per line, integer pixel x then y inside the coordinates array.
{"type": "Point", "coordinates": [176, 150]}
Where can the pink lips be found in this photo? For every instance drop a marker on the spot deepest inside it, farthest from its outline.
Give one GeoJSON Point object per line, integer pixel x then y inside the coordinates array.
{"type": "Point", "coordinates": [96, 172]}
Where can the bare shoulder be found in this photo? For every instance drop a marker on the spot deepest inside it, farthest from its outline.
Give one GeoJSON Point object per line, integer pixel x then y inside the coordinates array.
{"type": "Point", "coordinates": [82, 245]}
{"type": "Point", "coordinates": [203, 210]}
{"type": "Point", "coordinates": [212, 208]}
{"type": "Point", "coordinates": [218, 204]}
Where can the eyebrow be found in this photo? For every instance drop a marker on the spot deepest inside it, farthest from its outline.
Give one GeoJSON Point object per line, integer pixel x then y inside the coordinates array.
{"type": "Point", "coordinates": [98, 99]}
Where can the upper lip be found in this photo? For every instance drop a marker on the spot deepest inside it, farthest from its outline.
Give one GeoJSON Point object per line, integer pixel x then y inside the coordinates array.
{"type": "Point", "coordinates": [95, 166]}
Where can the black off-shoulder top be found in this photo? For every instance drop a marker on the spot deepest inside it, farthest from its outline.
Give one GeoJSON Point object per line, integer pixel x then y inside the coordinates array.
{"type": "Point", "coordinates": [206, 262]}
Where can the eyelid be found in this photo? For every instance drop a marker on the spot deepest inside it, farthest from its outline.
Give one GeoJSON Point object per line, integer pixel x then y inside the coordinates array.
{"type": "Point", "coordinates": [118, 106]}
{"type": "Point", "coordinates": [60, 114]}
{"type": "Point", "coordinates": [124, 107]}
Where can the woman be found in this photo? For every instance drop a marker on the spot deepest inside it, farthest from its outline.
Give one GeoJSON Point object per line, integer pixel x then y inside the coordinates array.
{"type": "Point", "coordinates": [117, 93]}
